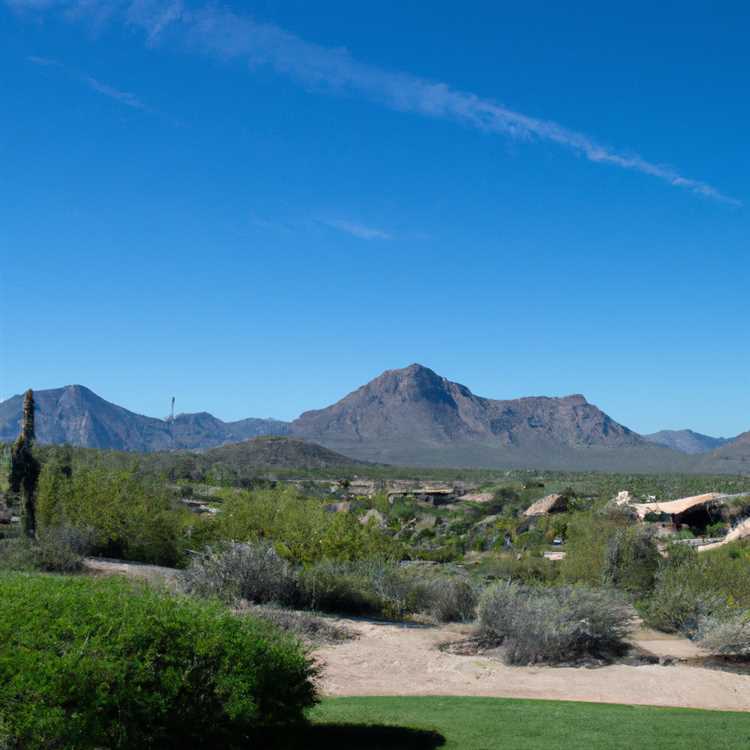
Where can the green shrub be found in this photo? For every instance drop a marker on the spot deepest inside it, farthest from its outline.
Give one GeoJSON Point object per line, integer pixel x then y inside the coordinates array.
{"type": "Point", "coordinates": [554, 625]}
{"type": "Point", "coordinates": [717, 529]}
{"type": "Point", "coordinates": [103, 664]}
{"type": "Point", "coordinates": [606, 548]}
{"type": "Point", "coordinates": [692, 586]}
{"type": "Point", "coordinates": [586, 548]}
{"type": "Point", "coordinates": [631, 560]}
{"type": "Point", "coordinates": [131, 518]}
{"type": "Point", "coordinates": [303, 531]}
{"type": "Point", "coordinates": [523, 569]}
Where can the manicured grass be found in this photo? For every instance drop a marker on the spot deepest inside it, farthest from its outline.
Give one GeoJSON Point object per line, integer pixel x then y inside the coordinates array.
{"type": "Point", "coordinates": [497, 723]}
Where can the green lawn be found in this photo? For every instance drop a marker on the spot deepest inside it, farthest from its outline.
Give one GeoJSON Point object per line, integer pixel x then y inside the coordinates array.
{"type": "Point", "coordinates": [496, 723]}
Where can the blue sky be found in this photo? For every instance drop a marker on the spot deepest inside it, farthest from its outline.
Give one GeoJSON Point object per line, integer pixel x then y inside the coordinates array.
{"type": "Point", "coordinates": [257, 207]}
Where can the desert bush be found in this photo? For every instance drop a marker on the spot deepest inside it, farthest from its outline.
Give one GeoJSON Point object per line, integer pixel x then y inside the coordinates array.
{"type": "Point", "coordinates": [727, 637]}
{"type": "Point", "coordinates": [233, 571]}
{"type": "Point", "coordinates": [496, 610]}
{"type": "Point", "coordinates": [451, 599]}
{"type": "Point", "coordinates": [104, 664]}
{"type": "Point", "coordinates": [554, 625]}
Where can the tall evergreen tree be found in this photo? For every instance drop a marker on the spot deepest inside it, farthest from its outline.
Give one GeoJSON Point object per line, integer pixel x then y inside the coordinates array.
{"type": "Point", "coordinates": [24, 467]}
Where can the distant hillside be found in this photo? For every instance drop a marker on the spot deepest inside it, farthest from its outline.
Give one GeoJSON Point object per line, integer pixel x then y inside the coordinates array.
{"type": "Point", "coordinates": [686, 441]}
{"type": "Point", "coordinates": [282, 452]}
{"type": "Point", "coordinates": [413, 416]}
{"type": "Point", "coordinates": [77, 416]}
{"type": "Point", "coordinates": [732, 457]}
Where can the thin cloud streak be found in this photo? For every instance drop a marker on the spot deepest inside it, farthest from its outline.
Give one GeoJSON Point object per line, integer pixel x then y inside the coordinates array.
{"type": "Point", "coordinates": [124, 97]}
{"type": "Point", "coordinates": [355, 229]}
{"type": "Point", "coordinates": [221, 33]}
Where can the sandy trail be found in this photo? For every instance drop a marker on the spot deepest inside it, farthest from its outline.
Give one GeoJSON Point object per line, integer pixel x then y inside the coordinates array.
{"type": "Point", "coordinates": [402, 659]}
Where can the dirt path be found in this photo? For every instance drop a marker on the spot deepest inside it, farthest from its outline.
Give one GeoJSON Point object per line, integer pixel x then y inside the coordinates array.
{"type": "Point", "coordinates": [395, 659]}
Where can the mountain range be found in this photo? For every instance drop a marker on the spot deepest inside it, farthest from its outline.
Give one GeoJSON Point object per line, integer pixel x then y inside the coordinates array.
{"type": "Point", "coordinates": [410, 416]}
{"type": "Point", "coordinates": [77, 416]}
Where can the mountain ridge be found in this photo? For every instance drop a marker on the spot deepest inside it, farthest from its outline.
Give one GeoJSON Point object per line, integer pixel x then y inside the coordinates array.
{"type": "Point", "coordinates": [687, 441]}
{"type": "Point", "coordinates": [407, 416]}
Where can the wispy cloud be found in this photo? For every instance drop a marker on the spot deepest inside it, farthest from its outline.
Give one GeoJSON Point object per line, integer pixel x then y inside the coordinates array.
{"type": "Point", "coordinates": [44, 61]}
{"type": "Point", "coordinates": [124, 97]}
{"type": "Point", "coordinates": [219, 32]}
{"type": "Point", "coordinates": [357, 230]}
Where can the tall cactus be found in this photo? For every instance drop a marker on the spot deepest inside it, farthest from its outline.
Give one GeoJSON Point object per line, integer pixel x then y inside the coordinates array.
{"type": "Point", "coordinates": [24, 467]}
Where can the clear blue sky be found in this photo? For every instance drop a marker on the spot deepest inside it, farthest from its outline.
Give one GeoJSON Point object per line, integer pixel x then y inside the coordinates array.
{"type": "Point", "coordinates": [257, 207]}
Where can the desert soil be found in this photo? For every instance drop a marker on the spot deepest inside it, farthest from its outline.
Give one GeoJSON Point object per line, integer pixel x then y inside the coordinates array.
{"type": "Point", "coordinates": [405, 659]}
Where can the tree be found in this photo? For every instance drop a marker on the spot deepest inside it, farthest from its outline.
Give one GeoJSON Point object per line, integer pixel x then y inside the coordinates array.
{"type": "Point", "coordinates": [24, 467]}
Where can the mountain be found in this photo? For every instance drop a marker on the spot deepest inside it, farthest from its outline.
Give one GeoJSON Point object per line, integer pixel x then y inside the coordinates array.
{"type": "Point", "coordinates": [732, 457]}
{"type": "Point", "coordinates": [275, 452]}
{"type": "Point", "coordinates": [686, 441]}
{"type": "Point", "coordinates": [414, 416]}
{"type": "Point", "coordinates": [76, 415]}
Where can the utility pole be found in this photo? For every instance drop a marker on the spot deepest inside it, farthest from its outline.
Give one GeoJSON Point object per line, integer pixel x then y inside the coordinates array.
{"type": "Point", "coordinates": [171, 424]}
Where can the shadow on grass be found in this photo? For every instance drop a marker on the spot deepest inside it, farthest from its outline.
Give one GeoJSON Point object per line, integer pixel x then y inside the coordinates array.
{"type": "Point", "coordinates": [347, 737]}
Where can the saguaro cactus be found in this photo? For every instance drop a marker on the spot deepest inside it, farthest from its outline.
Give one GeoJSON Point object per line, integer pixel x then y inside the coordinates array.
{"type": "Point", "coordinates": [24, 468]}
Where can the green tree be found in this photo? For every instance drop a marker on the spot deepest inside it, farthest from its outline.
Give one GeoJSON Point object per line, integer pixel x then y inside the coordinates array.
{"type": "Point", "coordinates": [25, 468]}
